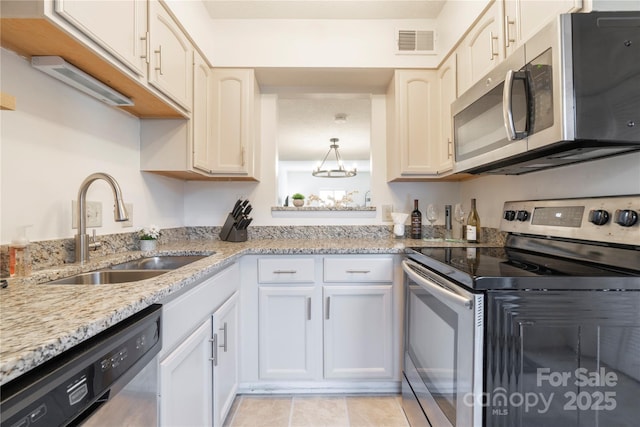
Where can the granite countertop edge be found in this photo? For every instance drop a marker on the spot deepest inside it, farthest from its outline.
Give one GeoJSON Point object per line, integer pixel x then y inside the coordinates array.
{"type": "Point", "coordinates": [32, 332]}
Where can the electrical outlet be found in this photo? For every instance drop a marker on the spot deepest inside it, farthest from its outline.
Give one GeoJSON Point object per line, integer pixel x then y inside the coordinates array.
{"type": "Point", "coordinates": [386, 213]}
{"type": "Point", "coordinates": [128, 223]}
{"type": "Point", "coordinates": [94, 214]}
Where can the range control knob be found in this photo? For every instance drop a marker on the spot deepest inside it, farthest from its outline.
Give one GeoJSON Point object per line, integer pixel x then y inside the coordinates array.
{"type": "Point", "coordinates": [598, 216]}
{"type": "Point", "coordinates": [522, 216]}
{"type": "Point", "coordinates": [509, 215]}
{"type": "Point", "coordinates": [626, 217]}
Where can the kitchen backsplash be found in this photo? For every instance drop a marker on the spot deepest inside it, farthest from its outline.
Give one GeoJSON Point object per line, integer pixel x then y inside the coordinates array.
{"type": "Point", "coordinates": [50, 253]}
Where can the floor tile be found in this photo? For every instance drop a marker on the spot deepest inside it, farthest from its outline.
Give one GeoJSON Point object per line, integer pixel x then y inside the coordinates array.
{"type": "Point", "coordinates": [262, 412]}
{"type": "Point", "coordinates": [319, 412]}
{"type": "Point", "coordinates": [376, 411]}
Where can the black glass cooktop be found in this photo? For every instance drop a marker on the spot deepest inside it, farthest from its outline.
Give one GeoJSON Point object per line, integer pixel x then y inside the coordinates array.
{"type": "Point", "coordinates": [505, 268]}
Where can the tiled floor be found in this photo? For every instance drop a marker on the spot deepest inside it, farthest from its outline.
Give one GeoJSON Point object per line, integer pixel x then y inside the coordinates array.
{"type": "Point", "coordinates": [316, 411]}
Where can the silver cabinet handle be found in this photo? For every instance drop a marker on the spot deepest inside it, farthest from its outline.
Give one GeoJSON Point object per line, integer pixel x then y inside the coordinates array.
{"type": "Point", "coordinates": [358, 271]}
{"type": "Point", "coordinates": [214, 349]}
{"type": "Point", "coordinates": [147, 47]}
{"type": "Point", "coordinates": [507, 34]}
{"type": "Point", "coordinates": [449, 148]}
{"type": "Point", "coordinates": [159, 52]}
{"type": "Point", "coordinates": [309, 308]}
{"type": "Point", "coordinates": [328, 307]}
{"type": "Point", "coordinates": [224, 339]}
{"type": "Point", "coordinates": [491, 39]}
{"type": "Point", "coordinates": [285, 271]}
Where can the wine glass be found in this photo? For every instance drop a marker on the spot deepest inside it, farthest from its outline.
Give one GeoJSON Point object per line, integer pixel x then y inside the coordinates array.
{"type": "Point", "coordinates": [432, 213]}
{"type": "Point", "coordinates": [458, 215]}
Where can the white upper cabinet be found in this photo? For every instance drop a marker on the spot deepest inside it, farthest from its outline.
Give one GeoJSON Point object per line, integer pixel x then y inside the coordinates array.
{"type": "Point", "coordinates": [170, 56]}
{"type": "Point", "coordinates": [201, 115]}
{"type": "Point", "coordinates": [99, 19]}
{"type": "Point", "coordinates": [412, 114]}
{"type": "Point", "coordinates": [524, 18]}
{"type": "Point", "coordinates": [234, 119]}
{"type": "Point", "coordinates": [482, 48]}
{"type": "Point", "coordinates": [447, 93]}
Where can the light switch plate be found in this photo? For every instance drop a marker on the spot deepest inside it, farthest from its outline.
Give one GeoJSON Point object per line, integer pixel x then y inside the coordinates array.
{"type": "Point", "coordinates": [129, 222]}
{"type": "Point", "coordinates": [94, 214]}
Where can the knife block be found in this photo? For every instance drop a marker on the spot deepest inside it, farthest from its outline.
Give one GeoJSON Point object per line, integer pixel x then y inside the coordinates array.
{"type": "Point", "coordinates": [230, 233]}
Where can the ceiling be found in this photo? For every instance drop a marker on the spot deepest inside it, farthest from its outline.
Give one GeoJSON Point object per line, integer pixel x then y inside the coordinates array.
{"type": "Point", "coordinates": [307, 123]}
{"type": "Point", "coordinates": [323, 9]}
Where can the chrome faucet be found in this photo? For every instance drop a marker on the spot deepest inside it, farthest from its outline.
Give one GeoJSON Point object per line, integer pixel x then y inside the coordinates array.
{"type": "Point", "coordinates": [119, 213]}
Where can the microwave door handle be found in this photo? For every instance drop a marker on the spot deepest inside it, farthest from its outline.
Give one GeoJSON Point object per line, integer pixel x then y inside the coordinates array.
{"type": "Point", "coordinates": [507, 109]}
{"type": "Point", "coordinates": [507, 105]}
{"type": "Point", "coordinates": [435, 288]}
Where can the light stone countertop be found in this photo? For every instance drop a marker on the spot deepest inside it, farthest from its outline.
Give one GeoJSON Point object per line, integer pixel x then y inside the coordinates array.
{"type": "Point", "coordinates": [39, 321]}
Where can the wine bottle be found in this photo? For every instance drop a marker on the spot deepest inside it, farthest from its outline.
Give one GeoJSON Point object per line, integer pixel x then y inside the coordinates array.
{"type": "Point", "coordinates": [416, 221]}
{"type": "Point", "coordinates": [473, 224]}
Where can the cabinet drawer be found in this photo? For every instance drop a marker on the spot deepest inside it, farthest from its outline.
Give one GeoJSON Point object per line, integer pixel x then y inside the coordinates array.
{"type": "Point", "coordinates": [286, 270]}
{"type": "Point", "coordinates": [358, 269]}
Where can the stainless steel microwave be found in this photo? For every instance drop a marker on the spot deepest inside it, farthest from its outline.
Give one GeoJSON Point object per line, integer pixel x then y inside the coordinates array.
{"type": "Point", "coordinates": [570, 94]}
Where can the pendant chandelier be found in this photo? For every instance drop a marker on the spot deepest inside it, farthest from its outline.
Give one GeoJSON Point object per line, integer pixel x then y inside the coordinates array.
{"type": "Point", "coordinates": [324, 172]}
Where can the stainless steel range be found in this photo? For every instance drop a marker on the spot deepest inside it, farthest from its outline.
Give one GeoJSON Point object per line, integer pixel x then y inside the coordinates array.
{"type": "Point", "coordinates": [544, 331]}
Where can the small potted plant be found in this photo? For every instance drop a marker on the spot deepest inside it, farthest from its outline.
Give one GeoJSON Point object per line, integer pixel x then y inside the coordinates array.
{"type": "Point", "coordinates": [298, 200]}
{"type": "Point", "coordinates": [149, 238]}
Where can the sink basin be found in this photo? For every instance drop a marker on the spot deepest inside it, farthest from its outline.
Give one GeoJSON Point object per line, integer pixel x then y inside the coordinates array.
{"type": "Point", "coordinates": [166, 262]}
{"type": "Point", "coordinates": [104, 277]}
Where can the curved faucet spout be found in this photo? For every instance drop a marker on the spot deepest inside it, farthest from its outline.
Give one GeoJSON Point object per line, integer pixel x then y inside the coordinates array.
{"type": "Point", "coordinates": [120, 211]}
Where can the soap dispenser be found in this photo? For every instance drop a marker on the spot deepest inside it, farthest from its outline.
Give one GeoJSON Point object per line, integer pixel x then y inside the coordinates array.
{"type": "Point", "coordinates": [19, 255]}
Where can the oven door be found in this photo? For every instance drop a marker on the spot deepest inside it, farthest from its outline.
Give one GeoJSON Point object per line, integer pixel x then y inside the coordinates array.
{"type": "Point", "coordinates": [443, 347]}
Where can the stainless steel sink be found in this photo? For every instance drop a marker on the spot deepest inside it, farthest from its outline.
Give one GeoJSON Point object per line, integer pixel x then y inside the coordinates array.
{"type": "Point", "coordinates": [166, 262]}
{"type": "Point", "coordinates": [130, 271]}
{"type": "Point", "coordinates": [105, 277]}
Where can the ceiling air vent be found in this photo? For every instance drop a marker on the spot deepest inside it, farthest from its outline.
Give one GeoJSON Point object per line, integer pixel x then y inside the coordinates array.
{"type": "Point", "coordinates": [416, 41]}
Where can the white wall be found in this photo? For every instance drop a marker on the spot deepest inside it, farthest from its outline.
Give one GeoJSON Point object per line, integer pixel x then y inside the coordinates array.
{"type": "Point", "coordinates": [57, 137]}
{"type": "Point", "coordinates": [606, 177]}
{"type": "Point", "coordinates": [314, 43]}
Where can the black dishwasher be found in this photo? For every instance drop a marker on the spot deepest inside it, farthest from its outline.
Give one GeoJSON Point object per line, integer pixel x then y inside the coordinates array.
{"type": "Point", "coordinates": [69, 388]}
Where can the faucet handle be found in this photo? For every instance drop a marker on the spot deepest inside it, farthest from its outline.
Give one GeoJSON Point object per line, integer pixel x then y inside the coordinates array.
{"type": "Point", "coordinates": [93, 245]}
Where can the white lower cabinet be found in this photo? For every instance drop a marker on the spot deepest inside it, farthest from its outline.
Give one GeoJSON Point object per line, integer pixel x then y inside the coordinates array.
{"type": "Point", "coordinates": [321, 323]}
{"type": "Point", "coordinates": [199, 357]}
{"type": "Point", "coordinates": [358, 332]}
{"type": "Point", "coordinates": [288, 348]}
{"type": "Point", "coordinates": [225, 360]}
{"type": "Point", "coordinates": [186, 381]}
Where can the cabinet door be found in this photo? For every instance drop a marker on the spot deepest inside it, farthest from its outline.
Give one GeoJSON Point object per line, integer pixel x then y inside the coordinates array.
{"type": "Point", "coordinates": [186, 381]}
{"type": "Point", "coordinates": [414, 120]}
{"type": "Point", "coordinates": [233, 121]}
{"type": "Point", "coordinates": [225, 371]}
{"type": "Point", "coordinates": [524, 18]}
{"type": "Point", "coordinates": [200, 116]}
{"type": "Point", "coordinates": [357, 332]}
{"type": "Point", "coordinates": [119, 27]}
{"type": "Point", "coordinates": [171, 56]}
{"type": "Point", "coordinates": [287, 340]}
{"type": "Point", "coordinates": [482, 48]}
{"type": "Point", "coordinates": [447, 93]}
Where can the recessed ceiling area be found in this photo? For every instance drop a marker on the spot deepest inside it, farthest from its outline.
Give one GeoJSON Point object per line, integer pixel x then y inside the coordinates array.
{"type": "Point", "coordinates": [323, 80]}
{"type": "Point", "coordinates": [306, 123]}
{"type": "Point", "coordinates": [323, 9]}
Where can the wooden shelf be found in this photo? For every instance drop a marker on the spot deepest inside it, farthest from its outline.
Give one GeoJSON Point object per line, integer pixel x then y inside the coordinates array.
{"type": "Point", "coordinates": [7, 102]}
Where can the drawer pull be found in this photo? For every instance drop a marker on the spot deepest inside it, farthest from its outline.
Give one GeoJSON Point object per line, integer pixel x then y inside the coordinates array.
{"type": "Point", "coordinates": [284, 272]}
{"type": "Point", "coordinates": [359, 271]}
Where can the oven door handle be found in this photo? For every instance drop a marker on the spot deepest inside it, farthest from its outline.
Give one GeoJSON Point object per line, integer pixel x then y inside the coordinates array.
{"type": "Point", "coordinates": [440, 289]}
